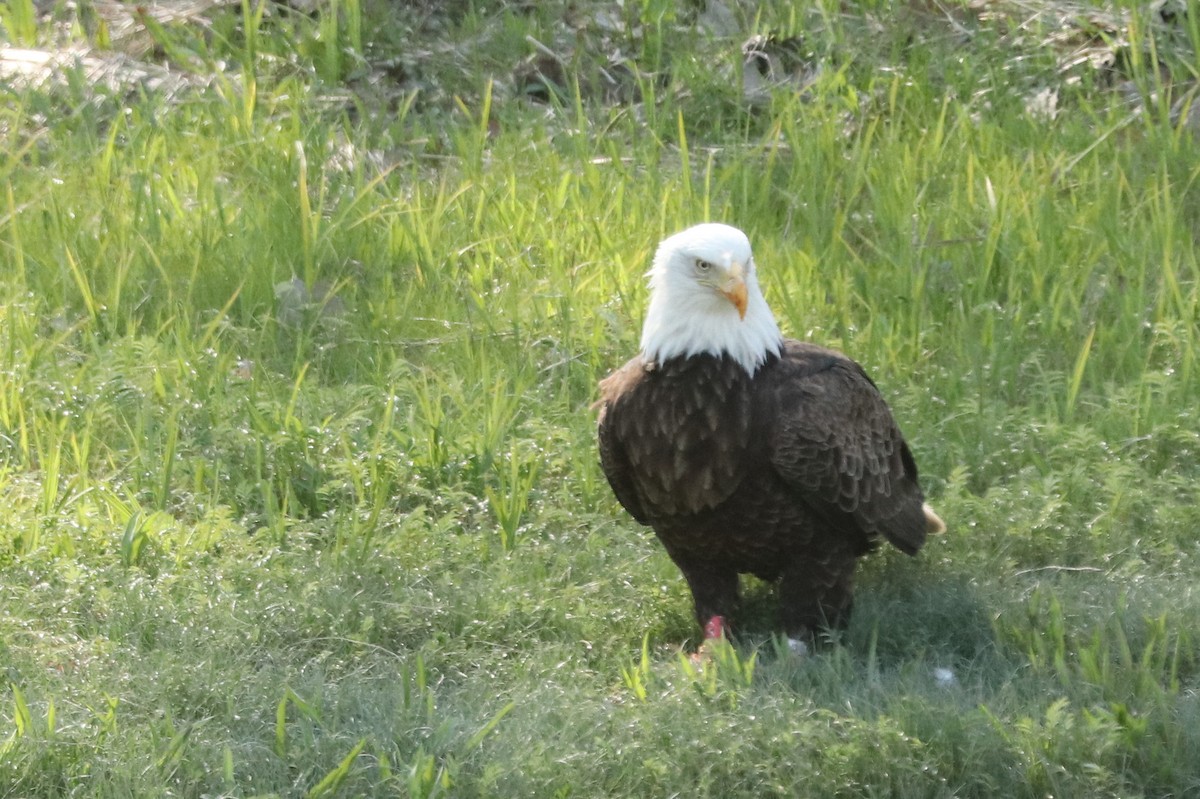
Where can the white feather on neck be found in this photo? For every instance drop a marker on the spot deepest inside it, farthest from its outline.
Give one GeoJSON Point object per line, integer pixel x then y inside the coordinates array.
{"type": "Point", "coordinates": [687, 318]}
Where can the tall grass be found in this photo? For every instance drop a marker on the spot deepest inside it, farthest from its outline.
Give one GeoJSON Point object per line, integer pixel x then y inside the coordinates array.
{"type": "Point", "coordinates": [298, 463]}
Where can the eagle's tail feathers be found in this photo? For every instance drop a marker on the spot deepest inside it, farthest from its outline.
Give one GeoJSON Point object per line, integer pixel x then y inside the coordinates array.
{"type": "Point", "coordinates": [933, 522]}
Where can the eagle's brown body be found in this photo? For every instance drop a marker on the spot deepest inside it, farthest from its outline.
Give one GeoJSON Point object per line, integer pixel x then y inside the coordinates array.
{"type": "Point", "coordinates": [790, 474]}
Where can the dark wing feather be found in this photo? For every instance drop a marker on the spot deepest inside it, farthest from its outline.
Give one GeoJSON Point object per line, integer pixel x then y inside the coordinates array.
{"type": "Point", "coordinates": [614, 460]}
{"type": "Point", "coordinates": [836, 443]}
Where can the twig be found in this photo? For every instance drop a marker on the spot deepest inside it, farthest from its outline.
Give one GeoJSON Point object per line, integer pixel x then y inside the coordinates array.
{"type": "Point", "coordinates": [1059, 569]}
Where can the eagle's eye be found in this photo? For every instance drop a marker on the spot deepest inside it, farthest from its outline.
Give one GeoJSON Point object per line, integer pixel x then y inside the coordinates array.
{"type": "Point", "coordinates": [702, 265]}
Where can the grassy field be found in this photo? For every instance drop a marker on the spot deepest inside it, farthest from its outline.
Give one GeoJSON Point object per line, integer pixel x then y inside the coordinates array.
{"type": "Point", "coordinates": [301, 315]}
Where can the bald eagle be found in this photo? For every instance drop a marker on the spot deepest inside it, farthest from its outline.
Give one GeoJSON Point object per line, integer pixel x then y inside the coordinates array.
{"type": "Point", "coordinates": [747, 452]}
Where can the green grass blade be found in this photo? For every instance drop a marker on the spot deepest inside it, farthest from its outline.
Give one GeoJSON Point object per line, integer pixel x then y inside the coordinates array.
{"type": "Point", "coordinates": [330, 782]}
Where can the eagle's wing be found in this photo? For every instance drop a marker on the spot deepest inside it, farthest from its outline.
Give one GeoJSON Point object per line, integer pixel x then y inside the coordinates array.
{"type": "Point", "coordinates": [833, 439]}
{"type": "Point", "coordinates": [613, 458]}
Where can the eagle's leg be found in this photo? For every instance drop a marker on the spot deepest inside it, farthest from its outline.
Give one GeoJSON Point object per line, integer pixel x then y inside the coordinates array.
{"type": "Point", "coordinates": [714, 594]}
{"type": "Point", "coordinates": [815, 596]}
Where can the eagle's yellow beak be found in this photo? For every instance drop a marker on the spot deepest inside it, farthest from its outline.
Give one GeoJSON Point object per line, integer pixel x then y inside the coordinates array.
{"type": "Point", "coordinates": [734, 289]}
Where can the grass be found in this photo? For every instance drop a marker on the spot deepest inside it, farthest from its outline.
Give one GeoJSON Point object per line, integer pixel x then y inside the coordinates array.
{"type": "Point", "coordinates": [296, 359]}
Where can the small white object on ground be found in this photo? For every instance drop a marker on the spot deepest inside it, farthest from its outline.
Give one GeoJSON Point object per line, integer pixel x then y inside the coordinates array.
{"type": "Point", "coordinates": [798, 647]}
{"type": "Point", "coordinates": [945, 677]}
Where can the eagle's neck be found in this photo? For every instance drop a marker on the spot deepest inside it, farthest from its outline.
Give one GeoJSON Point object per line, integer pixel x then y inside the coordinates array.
{"type": "Point", "coordinates": [684, 324]}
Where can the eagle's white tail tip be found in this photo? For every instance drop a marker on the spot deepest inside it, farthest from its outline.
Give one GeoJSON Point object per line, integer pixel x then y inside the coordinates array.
{"type": "Point", "coordinates": [933, 522]}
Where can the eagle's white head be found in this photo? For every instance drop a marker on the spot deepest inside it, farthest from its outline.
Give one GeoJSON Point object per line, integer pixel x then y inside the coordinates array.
{"type": "Point", "coordinates": [704, 298]}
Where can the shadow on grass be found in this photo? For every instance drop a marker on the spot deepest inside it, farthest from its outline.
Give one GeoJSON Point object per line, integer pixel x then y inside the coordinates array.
{"type": "Point", "coordinates": [908, 613]}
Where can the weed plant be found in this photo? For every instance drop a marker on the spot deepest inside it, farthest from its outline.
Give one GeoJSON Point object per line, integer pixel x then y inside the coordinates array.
{"type": "Point", "coordinates": [301, 493]}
